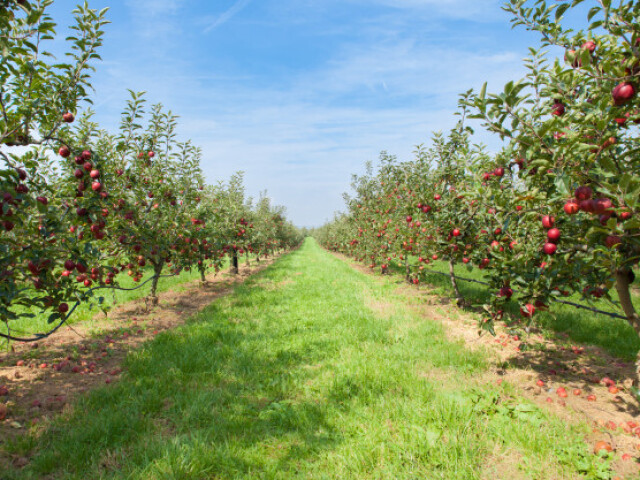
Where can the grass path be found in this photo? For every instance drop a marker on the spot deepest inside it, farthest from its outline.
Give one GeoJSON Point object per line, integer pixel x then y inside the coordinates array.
{"type": "Point", "coordinates": [309, 370]}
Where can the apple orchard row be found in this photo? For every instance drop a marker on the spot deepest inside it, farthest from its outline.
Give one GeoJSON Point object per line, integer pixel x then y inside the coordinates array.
{"type": "Point", "coordinates": [556, 211]}
{"type": "Point", "coordinates": [82, 206]}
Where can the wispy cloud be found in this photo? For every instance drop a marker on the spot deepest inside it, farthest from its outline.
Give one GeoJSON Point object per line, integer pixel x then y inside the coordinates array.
{"type": "Point", "coordinates": [155, 7]}
{"type": "Point", "coordinates": [327, 92]}
{"type": "Point", "coordinates": [302, 140]}
{"type": "Point", "coordinates": [479, 10]}
{"type": "Point", "coordinates": [227, 15]}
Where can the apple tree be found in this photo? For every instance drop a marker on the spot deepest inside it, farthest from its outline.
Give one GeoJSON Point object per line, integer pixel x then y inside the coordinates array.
{"type": "Point", "coordinates": [39, 96]}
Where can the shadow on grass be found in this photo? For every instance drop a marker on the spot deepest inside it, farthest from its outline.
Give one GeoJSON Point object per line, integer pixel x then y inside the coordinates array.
{"type": "Point", "coordinates": [616, 336]}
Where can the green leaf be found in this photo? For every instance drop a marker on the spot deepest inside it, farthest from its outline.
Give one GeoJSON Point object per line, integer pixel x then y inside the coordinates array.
{"type": "Point", "coordinates": [593, 12]}
{"type": "Point", "coordinates": [560, 11]}
{"type": "Point", "coordinates": [607, 164]}
{"type": "Point", "coordinates": [483, 91]}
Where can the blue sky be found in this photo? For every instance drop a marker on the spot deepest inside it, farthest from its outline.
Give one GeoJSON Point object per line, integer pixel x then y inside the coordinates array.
{"type": "Point", "coordinates": [301, 93]}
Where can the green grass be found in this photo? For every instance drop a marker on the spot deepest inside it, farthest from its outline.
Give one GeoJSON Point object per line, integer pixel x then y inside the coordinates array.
{"type": "Point", "coordinates": [87, 311]}
{"type": "Point", "coordinates": [614, 335]}
{"type": "Point", "coordinates": [309, 370]}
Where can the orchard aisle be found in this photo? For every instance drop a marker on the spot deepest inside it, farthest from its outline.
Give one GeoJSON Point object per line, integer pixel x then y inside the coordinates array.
{"type": "Point", "coordinates": [309, 370]}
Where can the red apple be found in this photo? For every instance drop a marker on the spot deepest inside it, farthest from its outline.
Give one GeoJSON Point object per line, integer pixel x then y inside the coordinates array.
{"type": "Point", "coordinates": [587, 206]}
{"type": "Point", "coordinates": [68, 117]}
{"type": "Point", "coordinates": [505, 292]}
{"type": "Point", "coordinates": [625, 214]}
{"type": "Point", "coordinates": [589, 45]}
{"type": "Point", "coordinates": [553, 235]}
{"type": "Point", "coordinates": [623, 93]}
{"type": "Point", "coordinates": [612, 240]}
{"type": "Point", "coordinates": [602, 205]}
{"type": "Point", "coordinates": [604, 219]}
{"type": "Point", "coordinates": [583, 193]}
{"type": "Point", "coordinates": [571, 207]}
{"type": "Point", "coordinates": [602, 446]}
{"type": "Point", "coordinates": [528, 310]}
{"type": "Point", "coordinates": [557, 109]}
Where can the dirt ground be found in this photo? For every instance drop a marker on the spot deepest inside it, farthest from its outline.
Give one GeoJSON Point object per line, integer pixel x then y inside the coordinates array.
{"type": "Point", "coordinates": [575, 382]}
{"type": "Point", "coordinates": [38, 380]}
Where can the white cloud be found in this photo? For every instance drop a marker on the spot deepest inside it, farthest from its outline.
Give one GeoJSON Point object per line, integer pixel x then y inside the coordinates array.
{"type": "Point", "coordinates": [478, 10]}
{"type": "Point", "coordinates": [303, 141]}
{"type": "Point", "coordinates": [154, 8]}
{"type": "Point", "coordinates": [227, 15]}
{"type": "Point", "coordinates": [303, 138]}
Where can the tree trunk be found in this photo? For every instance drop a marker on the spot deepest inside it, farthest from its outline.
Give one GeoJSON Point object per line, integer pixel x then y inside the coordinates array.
{"type": "Point", "coordinates": [623, 286]}
{"type": "Point", "coordinates": [203, 276]}
{"type": "Point", "coordinates": [454, 283]}
{"type": "Point", "coordinates": [234, 263]}
{"type": "Point", "coordinates": [157, 271]}
{"type": "Point", "coordinates": [407, 269]}
{"type": "Point", "coordinates": [257, 258]}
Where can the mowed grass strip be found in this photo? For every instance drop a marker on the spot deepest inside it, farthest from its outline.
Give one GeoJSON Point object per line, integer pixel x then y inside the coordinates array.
{"type": "Point", "coordinates": [309, 370]}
